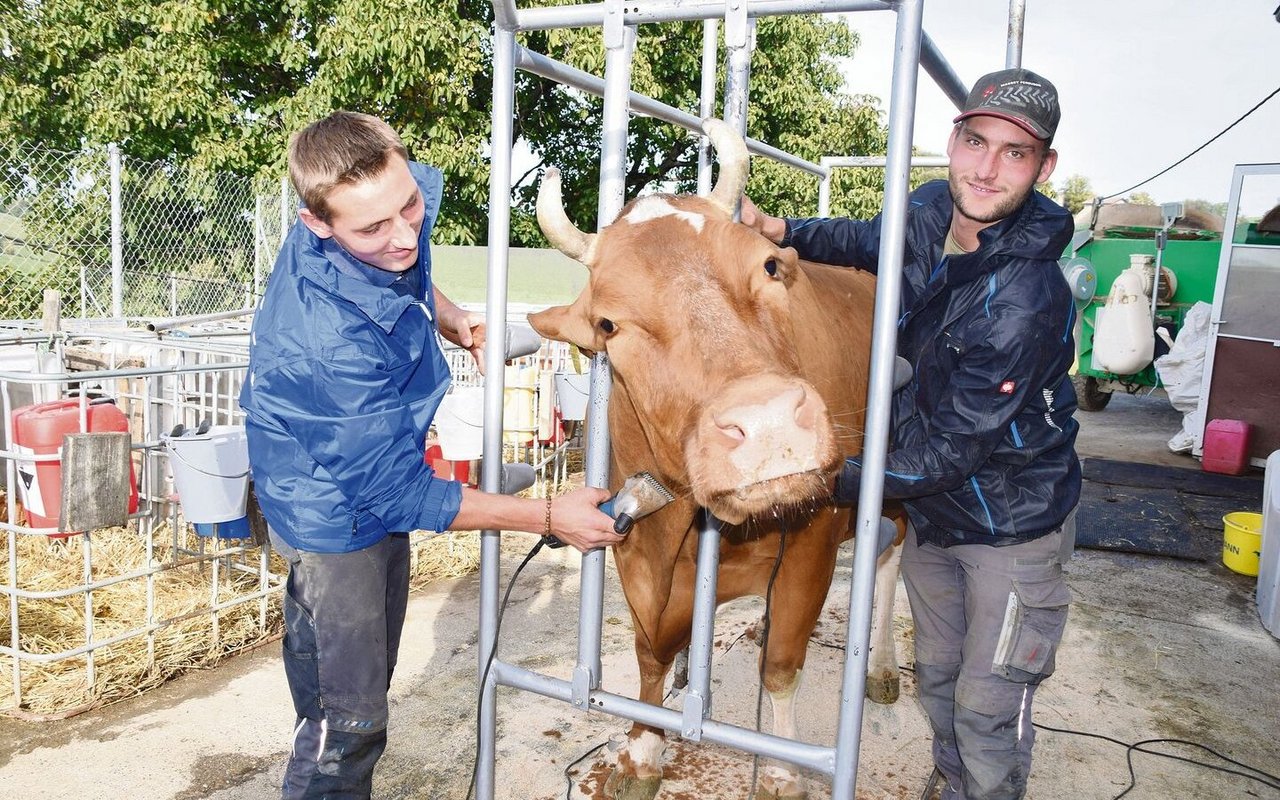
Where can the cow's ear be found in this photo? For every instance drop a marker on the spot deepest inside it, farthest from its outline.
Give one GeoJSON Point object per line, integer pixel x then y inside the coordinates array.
{"type": "Point", "coordinates": [563, 324]}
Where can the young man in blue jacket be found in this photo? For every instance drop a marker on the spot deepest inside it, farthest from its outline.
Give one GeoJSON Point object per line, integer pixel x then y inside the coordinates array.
{"type": "Point", "coordinates": [345, 374]}
{"type": "Point", "coordinates": [983, 445]}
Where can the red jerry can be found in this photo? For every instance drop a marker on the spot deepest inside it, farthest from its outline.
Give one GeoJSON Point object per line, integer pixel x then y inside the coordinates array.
{"type": "Point", "coordinates": [1226, 446]}
{"type": "Point", "coordinates": [38, 430]}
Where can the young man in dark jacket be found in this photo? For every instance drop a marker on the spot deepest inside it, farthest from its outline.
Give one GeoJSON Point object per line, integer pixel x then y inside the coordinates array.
{"type": "Point", "coordinates": [345, 374]}
{"type": "Point", "coordinates": [983, 445]}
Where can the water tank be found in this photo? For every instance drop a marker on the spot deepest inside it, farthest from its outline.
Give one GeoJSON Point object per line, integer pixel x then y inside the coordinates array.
{"type": "Point", "coordinates": [38, 430]}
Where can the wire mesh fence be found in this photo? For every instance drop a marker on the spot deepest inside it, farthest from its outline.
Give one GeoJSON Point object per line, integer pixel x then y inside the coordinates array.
{"type": "Point", "coordinates": [123, 237]}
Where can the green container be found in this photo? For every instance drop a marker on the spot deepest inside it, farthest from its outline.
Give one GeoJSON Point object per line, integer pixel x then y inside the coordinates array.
{"type": "Point", "coordinates": [1193, 262]}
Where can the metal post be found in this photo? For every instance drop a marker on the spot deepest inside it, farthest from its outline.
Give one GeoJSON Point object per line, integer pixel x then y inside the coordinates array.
{"type": "Point", "coordinates": [738, 33]}
{"type": "Point", "coordinates": [1017, 16]}
{"type": "Point", "coordinates": [619, 41]}
{"type": "Point", "coordinates": [286, 213]}
{"type": "Point", "coordinates": [117, 234]}
{"type": "Point", "coordinates": [707, 99]}
{"type": "Point", "coordinates": [259, 244]}
{"type": "Point", "coordinates": [491, 465]}
{"type": "Point", "coordinates": [884, 346]}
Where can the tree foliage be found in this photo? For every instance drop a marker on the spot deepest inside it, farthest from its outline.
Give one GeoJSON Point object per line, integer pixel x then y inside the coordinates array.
{"type": "Point", "coordinates": [1076, 193]}
{"type": "Point", "coordinates": [222, 84]}
{"type": "Point", "coordinates": [1142, 199]}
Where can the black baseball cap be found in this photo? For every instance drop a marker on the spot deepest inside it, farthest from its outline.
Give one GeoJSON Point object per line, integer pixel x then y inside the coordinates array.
{"type": "Point", "coordinates": [1019, 96]}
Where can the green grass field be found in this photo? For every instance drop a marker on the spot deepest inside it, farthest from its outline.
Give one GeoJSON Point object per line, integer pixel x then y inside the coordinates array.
{"type": "Point", "coordinates": [537, 277]}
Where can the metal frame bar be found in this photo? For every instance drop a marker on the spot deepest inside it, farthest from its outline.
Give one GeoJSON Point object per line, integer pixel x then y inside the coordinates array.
{"type": "Point", "coordinates": [914, 49]}
{"type": "Point", "coordinates": [830, 163]}
{"type": "Point", "coordinates": [1229, 246]}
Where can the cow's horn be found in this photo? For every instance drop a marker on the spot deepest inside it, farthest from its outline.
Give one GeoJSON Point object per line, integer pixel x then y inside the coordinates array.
{"type": "Point", "coordinates": [731, 152]}
{"type": "Point", "coordinates": [555, 224]}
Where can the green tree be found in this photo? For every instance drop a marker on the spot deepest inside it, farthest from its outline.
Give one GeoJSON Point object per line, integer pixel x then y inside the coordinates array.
{"type": "Point", "coordinates": [1142, 199]}
{"type": "Point", "coordinates": [223, 84]}
{"type": "Point", "coordinates": [1217, 209]}
{"type": "Point", "coordinates": [1076, 193]}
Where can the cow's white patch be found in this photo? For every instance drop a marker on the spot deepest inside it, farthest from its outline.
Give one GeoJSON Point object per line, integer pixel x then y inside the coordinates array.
{"type": "Point", "coordinates": [784, 708]}
{"type": "Point", "coordinates": [781, 779]}
{"type": "Point", "coordinates": [650, 208]}
{"type": "Point", "coordinates": [645, 750]}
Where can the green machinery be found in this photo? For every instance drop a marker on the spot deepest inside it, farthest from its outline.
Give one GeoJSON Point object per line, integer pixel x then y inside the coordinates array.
{"type": "Point", "coordinates": [1098, 256]}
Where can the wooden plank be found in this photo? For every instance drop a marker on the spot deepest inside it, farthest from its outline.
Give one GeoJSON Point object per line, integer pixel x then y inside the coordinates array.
{"type": "Point", "coordinates": [95, 481]}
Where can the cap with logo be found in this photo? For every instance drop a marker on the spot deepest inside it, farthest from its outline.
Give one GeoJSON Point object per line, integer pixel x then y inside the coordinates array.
{"type": "Point", "coordinates": [1019, 96]}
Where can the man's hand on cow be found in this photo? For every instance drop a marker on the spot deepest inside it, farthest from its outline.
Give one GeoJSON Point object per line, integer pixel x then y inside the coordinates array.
{"type": "Point", "coordinates": [576, 520]}
{"type": "Point", "coordinates": [466, 330]}
{"type": "Point", "coordinates": [844, 490]}
{"type": "Point", "coordinates": [772, 228]}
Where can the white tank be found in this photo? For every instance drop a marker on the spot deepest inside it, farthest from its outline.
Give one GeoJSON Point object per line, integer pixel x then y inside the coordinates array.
{"type": "Point", "coordinates": [1123, 337]}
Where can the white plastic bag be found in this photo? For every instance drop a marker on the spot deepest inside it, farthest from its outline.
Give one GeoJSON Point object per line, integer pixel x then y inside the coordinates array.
{"type": "Point", "coordinates": [1181, 371]}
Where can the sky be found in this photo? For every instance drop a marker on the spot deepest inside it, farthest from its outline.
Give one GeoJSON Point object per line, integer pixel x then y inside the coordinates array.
{"type": "Point", "coordinates": [1141, 83]}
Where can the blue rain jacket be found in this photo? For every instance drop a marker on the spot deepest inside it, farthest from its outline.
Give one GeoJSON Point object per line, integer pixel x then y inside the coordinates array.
{"type": "Point", "coordinates": [983, 442]}
{"type": "Point", "coordinates": [344, 378]}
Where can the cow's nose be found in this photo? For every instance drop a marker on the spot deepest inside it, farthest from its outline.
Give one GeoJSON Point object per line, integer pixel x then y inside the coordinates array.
{"type": "Point", "coordinates": [788, 410]}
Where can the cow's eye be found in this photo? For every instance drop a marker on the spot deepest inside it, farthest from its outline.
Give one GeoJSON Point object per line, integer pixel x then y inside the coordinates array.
{"type": "Point", "coordinates": [607, 325]}
{"type": "Point", "coordinates": [771, 268]}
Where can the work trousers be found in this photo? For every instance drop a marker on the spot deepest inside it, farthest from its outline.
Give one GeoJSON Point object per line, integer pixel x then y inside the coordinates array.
{"type": "Point", "coordinates": [988, 621]}
{"type": "Point", "coordinates": [343, 614]}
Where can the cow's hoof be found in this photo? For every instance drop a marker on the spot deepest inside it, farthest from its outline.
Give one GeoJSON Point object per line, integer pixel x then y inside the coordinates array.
{"type": "Point", "coordinates": [779, 783]}
{"type": "Point", "coordinates": [882, 689]}
{"type": "Point", "coordinates": [626, 786]}
{"type": "Point", "coordinates": [772, 793]}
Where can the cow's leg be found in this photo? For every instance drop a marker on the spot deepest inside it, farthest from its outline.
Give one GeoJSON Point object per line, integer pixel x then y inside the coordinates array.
{"type": "Point", "coordinates": [797, 599]}
{"type": "Point", "coordinates": [638, 775]}
{"type": "Point", "coordinates": [882, 661]}
{"type": "Point", "coordinates": [777, 780]}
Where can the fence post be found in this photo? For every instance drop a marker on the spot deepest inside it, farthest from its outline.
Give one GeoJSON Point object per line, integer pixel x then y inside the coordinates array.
{"type": "Point", "coordinates": [285, 216]}
{"type": "Point", "coordinates": [117, 235]}
{"type": "Point", "coordinates": [258, 249]}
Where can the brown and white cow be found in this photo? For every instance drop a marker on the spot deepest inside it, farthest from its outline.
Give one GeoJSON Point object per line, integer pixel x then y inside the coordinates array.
{"type": "Point", "coordinates": [739, 381]}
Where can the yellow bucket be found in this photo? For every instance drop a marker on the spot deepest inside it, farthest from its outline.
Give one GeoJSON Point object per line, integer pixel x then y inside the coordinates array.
{"type": "Point", "coordinates": [1242, 541]}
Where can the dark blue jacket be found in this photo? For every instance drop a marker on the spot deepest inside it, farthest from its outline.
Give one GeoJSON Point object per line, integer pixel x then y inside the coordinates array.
{"type": "Point", "coordinates": [983, 445]}
{"type": "Point", "coordinates": [344, 378]}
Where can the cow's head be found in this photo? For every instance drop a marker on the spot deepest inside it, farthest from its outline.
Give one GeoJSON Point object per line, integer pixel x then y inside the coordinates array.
{"type": "Point", "coordinates": [695, 313]}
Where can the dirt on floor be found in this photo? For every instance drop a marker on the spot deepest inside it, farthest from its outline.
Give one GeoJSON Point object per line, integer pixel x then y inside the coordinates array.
{"type": "Point", "coordinates": [1156, 649]}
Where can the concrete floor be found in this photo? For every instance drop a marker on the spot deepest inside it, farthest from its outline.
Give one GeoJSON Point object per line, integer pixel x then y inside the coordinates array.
{"type": "Point", "coordinates": [1156, 648]}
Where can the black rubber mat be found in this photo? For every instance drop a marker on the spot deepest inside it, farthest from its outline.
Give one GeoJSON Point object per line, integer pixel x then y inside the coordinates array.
{"type": "Point", "coordinates": [1154, 510]}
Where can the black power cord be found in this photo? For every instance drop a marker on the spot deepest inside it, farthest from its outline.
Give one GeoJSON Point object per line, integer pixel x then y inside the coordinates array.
{"type": "Point", "coordinates": [1266, 779]}
{"type": "Point", "coordinates": [1197, 150]}
{"type": "Point", "coordinates": [484, 676]}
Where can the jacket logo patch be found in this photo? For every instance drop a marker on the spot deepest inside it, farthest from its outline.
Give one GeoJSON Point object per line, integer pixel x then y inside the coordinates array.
{"type": "Point", "coordinates": [1007, 387]}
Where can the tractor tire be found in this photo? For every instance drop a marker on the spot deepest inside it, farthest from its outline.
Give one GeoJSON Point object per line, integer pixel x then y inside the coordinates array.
{"type": "Point", "coordinates": [1089, 396]}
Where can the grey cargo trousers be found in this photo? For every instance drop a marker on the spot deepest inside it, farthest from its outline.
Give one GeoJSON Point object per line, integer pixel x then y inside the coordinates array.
{"type": "Point", "coordinates": [343, 615]}
{"type": "Point", "coordinates": [987, 625]}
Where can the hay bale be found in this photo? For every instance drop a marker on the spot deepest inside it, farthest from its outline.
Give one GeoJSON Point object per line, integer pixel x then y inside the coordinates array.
{"type": "Point", "coordinates": [48, 626]}
{"type": "Point", "coordinates": [61, 688]}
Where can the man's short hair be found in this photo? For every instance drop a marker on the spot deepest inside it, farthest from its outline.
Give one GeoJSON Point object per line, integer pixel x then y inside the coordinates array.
{"type": "Point", "coordinates": [1019, 96]}
{"type": "Point", "coordinates": [339, 150]}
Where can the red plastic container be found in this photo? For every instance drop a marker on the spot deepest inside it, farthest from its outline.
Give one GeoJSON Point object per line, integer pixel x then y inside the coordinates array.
{"type": "Point", "coordinates": [1226, 446]}
{"type": "Point", "coordinates": [449, 470]}
{"type": "Point", "coordinates": [38, 430]}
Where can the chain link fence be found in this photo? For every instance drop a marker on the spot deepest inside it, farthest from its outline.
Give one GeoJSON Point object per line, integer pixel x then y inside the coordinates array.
{"type": "Point", "coordinates": [125, 237]}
